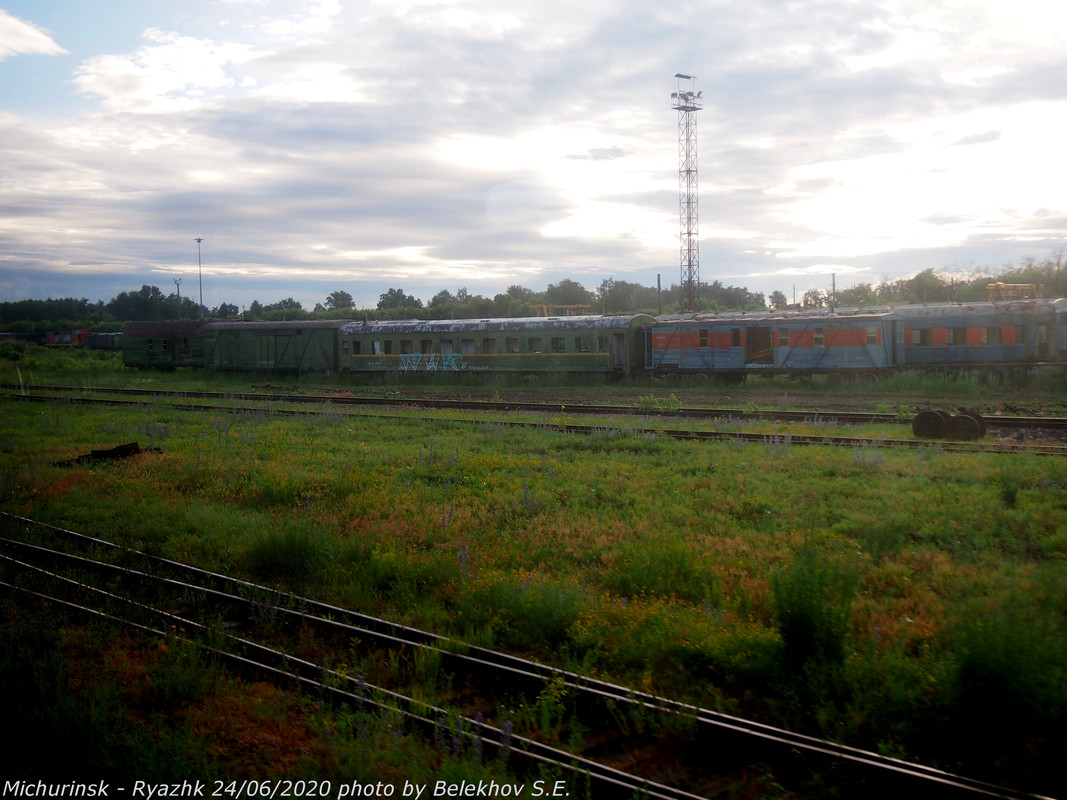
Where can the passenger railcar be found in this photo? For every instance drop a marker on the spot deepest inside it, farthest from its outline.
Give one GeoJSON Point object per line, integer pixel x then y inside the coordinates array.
{"type": "Point", "coordinates": [594, 345]}
{"type": "Point", "coordinates": [165, 345]}
{"type": "Point", "coordinates": [1011, 333]}
{"type": "Point", "coordinates": [735, 345]}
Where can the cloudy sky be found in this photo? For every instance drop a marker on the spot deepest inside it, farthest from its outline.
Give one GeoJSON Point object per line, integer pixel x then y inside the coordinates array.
{"type": "Point", "coordinates": [359, 145]}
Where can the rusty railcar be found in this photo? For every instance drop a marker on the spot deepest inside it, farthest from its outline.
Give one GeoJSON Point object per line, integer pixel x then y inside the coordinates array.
{"type": "Point", "coordinates": [164, 345]}
{"type": "Point", "coordinates": [798, 342]}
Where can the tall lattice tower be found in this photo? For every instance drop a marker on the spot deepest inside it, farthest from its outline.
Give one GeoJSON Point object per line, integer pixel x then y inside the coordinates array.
{"type": "Point", "coordinates": [686, 101]}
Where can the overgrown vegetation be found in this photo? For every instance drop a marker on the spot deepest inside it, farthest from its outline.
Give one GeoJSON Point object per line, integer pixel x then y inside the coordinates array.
{"type": "Point", "coordinates": [911, 603]}
{"type": "Point", "coordinates": [84, 700]}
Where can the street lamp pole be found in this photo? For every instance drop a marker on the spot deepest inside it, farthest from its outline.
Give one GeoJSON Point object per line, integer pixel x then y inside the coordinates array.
{"type": "Point", "coordinates": [200, 270]}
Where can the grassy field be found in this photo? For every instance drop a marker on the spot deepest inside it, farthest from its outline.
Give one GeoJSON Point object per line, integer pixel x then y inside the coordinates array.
{"type": "Point", "coordinates": [909, 601]}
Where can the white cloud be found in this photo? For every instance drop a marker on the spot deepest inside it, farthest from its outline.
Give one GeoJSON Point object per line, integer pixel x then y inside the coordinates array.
{"type": "Point", "coordinates": [18, 37]}
{"type": "Point", "coordinates": [954, 170]}
{"type": "Point", "coordinates": [465, 142]}
{"type": "Point", "coordinates": [169, 72]}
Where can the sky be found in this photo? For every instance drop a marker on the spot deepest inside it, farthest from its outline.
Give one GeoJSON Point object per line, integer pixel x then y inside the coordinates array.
{"type": "Point", "coordinates": [325, 145]}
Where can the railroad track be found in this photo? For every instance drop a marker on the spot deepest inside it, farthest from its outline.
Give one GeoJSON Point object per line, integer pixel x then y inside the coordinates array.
{"type": "Point", "coordinates": [776, 439]}
{"type": "Point", "coordinates": [846, 417]}
{"type": "Point", "coordinates": [160, 596]}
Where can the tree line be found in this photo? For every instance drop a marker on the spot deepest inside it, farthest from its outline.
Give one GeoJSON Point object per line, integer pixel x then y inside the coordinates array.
{"type": "Point", "coordinates": [567, 296]}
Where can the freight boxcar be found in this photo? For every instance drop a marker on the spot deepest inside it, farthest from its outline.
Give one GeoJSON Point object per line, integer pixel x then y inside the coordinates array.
{"type": "Point", "coordinates": [590, 345]}
{"type": "Point", "coordinates": [297, 347]}
{"type": "Point", "coordinates": [164, 344]}
{"type": "Point", "coordinates": [735, 345]}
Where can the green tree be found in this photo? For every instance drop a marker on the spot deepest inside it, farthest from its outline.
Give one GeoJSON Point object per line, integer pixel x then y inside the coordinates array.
{"type": "Point", "coordinates": [339, 300]}
{"type": "Point", "coordinates": [862, 294]}
{"type": "Point", "coordinates": [225, 311]}
{"type": "Point", "coordinates": [442, 299]}
{"type": "Point", "coordinates": [149, 303]}
{"type": "Point", "coordinates": [395, 298]}
{"type": "Point", "coordinates": [568, 293]}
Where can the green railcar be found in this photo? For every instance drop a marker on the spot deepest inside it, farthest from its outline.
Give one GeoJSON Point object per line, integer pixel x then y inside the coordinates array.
{"type": "Point", "coordinates": [296, 347]}
{"type": "Point", "coordinates": [164, 345]}
{"type": "Point", "coordinates": [581, 345]}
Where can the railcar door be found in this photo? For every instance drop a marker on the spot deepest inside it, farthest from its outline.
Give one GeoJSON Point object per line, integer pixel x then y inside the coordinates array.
{"type": "Point", "coordinates": [759, 345]}
{"type": "Point", "coordinates": [1042, 341]}
{"type": "Point", "coordinates": [618, 350]}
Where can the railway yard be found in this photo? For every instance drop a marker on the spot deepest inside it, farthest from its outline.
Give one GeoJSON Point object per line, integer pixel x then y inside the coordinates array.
{"type": "Point", "coordinates": [658, 589]}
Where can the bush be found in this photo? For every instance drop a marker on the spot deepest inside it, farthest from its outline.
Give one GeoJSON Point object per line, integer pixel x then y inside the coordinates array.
{"type": "Point", "coordinates": [812, 599]}
{"type": "Point", "coordinates": [294, 552]}
{"type": "Point", "coordinates": [659, 568]}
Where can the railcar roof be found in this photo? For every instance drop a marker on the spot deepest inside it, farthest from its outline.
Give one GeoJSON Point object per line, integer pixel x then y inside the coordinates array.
{"type": "Point", "coordinates": [287, 325]}
{"type": "Point", "coordinates": [908, 310]}
{"type": "Point", "coordinates": [437, 326]}
{"type": "Point", "coordinates": [164, 328]}
{"type": "Point", "coordinates": [808, 315]}
{"type": "Point", "coordinates": [1036, 306]}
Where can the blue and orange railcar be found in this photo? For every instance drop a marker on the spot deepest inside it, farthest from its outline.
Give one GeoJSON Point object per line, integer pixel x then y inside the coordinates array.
{"type": "Point", "coordinates": [773, 343]}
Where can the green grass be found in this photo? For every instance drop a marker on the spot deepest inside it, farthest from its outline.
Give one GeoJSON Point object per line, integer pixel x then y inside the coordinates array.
{"type": "Point", "coordinates": [877, 601]}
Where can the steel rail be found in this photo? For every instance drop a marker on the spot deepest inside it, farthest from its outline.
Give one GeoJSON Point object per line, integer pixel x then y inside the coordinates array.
{"type": "Point", "coordinates": [720, 730]}
{"type": "Point", "coordinates": [1002, 421]}
{"type": "Point", "coordinates": [776, 438]}
{"type": "Point", "coordinates": [610, 782]}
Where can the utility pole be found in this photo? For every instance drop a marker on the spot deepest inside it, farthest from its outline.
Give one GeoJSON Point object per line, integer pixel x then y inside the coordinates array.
{"type": "Point", "coordinates": [200, 271]}
{"type": "Point", "coordinates": [178, 287]}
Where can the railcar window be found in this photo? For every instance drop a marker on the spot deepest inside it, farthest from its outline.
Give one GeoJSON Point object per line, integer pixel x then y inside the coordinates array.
{"type": "Point", "coordinates": [559, 344]}
{"type": "Point", "coordinates": [581, 344]}
{"type": "Point", "coordinates": [466, 346]}
{"type": "Point", "coordinates": [405, 346]}
{"type": "Point", "coordinates": [446, 346]}
{"type": "Point", "coordinates": [703, 333]}
{"type": "Point", "coordinates": [388, 347]}
{"type": "Point", "coordinates": [357, 347]}
{"type": "Point", "coordinates": [735, 337]}
{"type": "Point", "coordinates": [956, 336]}
{"type": "Point", "coordinates": [920, 337]}
{"type": "Point", "coordinates": [488, 346]}
{"type": "Point", "coordinates": [602, 344]}
{"type": "Point", "coordinates": [992, 335]}
{"type": "Point", "coordinates": [533, 344]}
{"type": "Point", "coordinates": [511, 344]}
{"type": "Point", "coordinates": [1020, 334]}
{"type": "Point", "coordinates": [818, 337]}
{"type": "Point", "coordinates": [425, 346]}
{"type": "Point", "coordinates": [872, 336]}
{"type": "Point", "coordinates": [783, 337]}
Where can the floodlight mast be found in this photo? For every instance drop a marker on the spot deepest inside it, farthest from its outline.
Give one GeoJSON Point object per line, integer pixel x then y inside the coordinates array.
{"type": "Point", "coordinates": [686, 101]}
